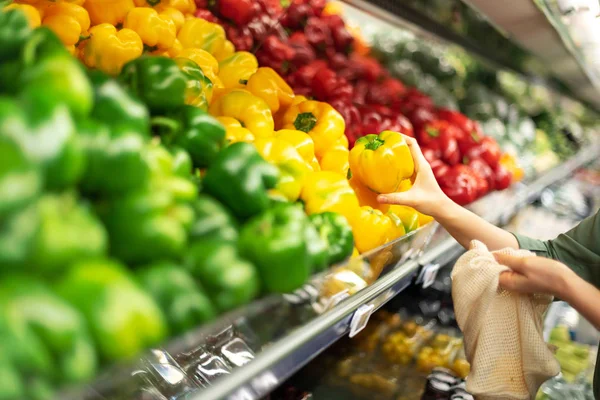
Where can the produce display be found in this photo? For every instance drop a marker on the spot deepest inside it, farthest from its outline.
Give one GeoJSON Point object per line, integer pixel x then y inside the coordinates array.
{"type": "Point", "coordinates": [164, 162]}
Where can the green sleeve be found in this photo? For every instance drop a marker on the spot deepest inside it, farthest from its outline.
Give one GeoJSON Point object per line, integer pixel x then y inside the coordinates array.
{"type": "Point", "coordinates": [579, 248]}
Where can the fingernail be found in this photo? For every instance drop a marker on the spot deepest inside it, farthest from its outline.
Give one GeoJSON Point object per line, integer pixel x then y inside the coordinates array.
{"type": "Point", "coordinates": [381, 198]}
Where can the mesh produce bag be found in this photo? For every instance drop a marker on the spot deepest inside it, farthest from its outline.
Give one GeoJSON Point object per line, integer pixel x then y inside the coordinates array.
{"type": "Point", "coordinates": [503, 331]}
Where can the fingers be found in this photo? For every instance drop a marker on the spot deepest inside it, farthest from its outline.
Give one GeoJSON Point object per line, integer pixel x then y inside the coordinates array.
{"type": "Point", "coordinates": [401, 198]}
{"type": "Point", "coordinates": [416, 152]}
{"type": "Point", "coordinates": [513, 282]}
{"type": "Point", "coordinates": [518, 264]}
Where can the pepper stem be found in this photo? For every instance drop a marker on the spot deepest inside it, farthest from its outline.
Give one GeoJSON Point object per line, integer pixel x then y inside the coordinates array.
{"type": "Point", "coordinates": [375, 144]}
{"type": "Point", "coordinates": [167, 126]}
{"type": "Point", "coordinates": [305, 122]}
{"type": "Point", "coordinates": [433, 132]}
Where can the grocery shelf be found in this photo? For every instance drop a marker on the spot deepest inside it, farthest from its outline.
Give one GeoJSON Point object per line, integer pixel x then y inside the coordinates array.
{"type": "Point", "coordinates": [247, 353]}
{"type": "Point", "coordinates": [546, 54]}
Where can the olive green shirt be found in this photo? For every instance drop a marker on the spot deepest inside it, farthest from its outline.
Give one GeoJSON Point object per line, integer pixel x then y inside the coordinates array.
{"type": "Point", "coordinates": [579, 249]}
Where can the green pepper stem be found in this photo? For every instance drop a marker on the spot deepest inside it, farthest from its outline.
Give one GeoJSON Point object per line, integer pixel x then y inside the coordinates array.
{"type": "Point", "coordinates": [433, 132]}
{"type": "Point", "coordinates": [305, 122]}
{"type": "Point", "coordinates": [168, 126]}
{"type": "Point", "coordinates": [375, 144]}
{"type": "Point", "coordinates": [30, 48]}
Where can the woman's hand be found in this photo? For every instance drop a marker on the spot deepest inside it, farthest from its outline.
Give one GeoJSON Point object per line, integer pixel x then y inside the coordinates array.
{"type": "Point", "coordinates": [535, 275]}
{"type": "Point", "coordinates": [425, 195]}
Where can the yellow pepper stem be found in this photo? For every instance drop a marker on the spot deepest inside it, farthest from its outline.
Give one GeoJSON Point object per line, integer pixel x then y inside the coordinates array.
{"type": "Point", "coordinates": [374, 144]}
{"type": "Point", "coordinates": [305, 122]}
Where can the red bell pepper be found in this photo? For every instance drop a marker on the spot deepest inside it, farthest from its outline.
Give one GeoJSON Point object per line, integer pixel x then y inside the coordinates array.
{"type": "Point", "coordinates": [503, 177]}
{"type": "Point", "coordinates": [385, 92]}
{"type": "Point", "coordinates": [304, 76]}
{"type": "Point", "coordinates": [439, 168]}
{"type": "Point", "coordinates": [414, 99]}
{"type": "Point", "coordinates": [241, 37]}
{"type": "Point", "coordinates": [318, 34]}
{"type": "Point", "coordinates": [431, 154]}
{"type": "Point", "coordinates": [327, 86]}
{"type": "Point", "coordinates": [348, 110]}
{"type": "Point", "coordinates": [342, 39]}
{"type": "Point", "coordinates": [366, 68]}
{"type": "Point", "coordinates": [459, 184]}
{"type": "Point", "coordinates": [276, 54]}
{"type": "Point", "coordinates": [303, 52]}
{"type": "Point", "coordinates": [487, 149]}
{"type": "Point", "coordinates": [297, 15]}
{"type": "Point", "coordinates": [239, 11]}
{"type": "Point", "coordinates": [481, 168]}
{"type": "Point", "coordinates": [419, 117]}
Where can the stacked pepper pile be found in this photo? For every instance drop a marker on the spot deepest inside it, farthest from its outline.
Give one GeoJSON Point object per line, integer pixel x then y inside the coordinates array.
{"type": "Point", "coordinates": [361, 89]}
{"type": "Point", "coordinates": [102, 220]}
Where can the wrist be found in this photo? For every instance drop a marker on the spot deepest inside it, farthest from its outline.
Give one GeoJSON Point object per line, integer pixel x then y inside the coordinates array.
{"type": "Point", "coordinates": [567, 285]}
{"type": "Point", "coordinates": [444, 209]}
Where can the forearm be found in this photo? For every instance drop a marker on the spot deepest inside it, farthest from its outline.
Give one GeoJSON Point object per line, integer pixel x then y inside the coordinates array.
{"type": "Point", "coordinates": [466, 226]}
{"type": "Point", "coordinates": [583, 297]}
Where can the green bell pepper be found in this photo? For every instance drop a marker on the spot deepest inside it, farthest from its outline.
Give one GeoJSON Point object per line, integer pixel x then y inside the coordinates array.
{"type": "Point", "coordinates": [20, 180]}
{"type": "Point", "coordinates": [275, 241]}
{"type": "Point", "coordinates": [182, 162]}
{"type": "Point", "coordinates": [114, 106]}
{"type": "Point", "coordinates": [239, 178]}
{"type": "Point", "coordinates": [212, 221]}
{"type": "Point", "coordinates": [46, 337]}
{"type": "Point", "coordinates": [141, 228]}
{"type": "Point", "coordinates": [194, 130]}
{"type": "Point", "coordinates": [336, 232]}
{"type": "Point", "coordinates": [229, 280]}
{"type": "Point", "coordinates": [316, 247]}
{"type": "Point", "coordinates": [156, 81]}
{"type": "Point", "coordinates": [14, 31]}
{"type": "Point", "coordinates": [47, 137]}
{"type": "Point", "coordinates": [17, 236]}
{"type": "Point", "coordinates": [54, 76]}
{"type": "Point", "coordinates": [199, 87]}
{"type": "Point", "coordinates": [151, 223]}
{"type": "Point", "coordinates": [115, 163]}
{"type": "Point", "coordinates": [123, 318]}
{"type": "Point", "coordinates": [183, 302]}
{"type": "Point", "coordinates": [67, 232]}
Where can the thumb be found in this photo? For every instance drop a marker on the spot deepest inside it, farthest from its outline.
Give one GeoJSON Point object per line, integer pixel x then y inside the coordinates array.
{"type": "Point", "coordinates": [513, 262]}
{"type": "Point", "coordinates": [401, 198]}
{"type": "Point", "coordinates": [512, 281]}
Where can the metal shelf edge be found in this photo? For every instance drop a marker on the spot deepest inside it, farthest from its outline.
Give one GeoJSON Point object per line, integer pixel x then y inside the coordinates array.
{"type": "Point", "coordinates": [279, 361]}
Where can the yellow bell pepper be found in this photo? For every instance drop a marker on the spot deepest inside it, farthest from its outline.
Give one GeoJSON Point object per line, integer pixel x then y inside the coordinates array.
{"type": "Point", "coordinates": [269, 86]}
{"type": "Point", "coordinates": [198, 92]}
{"type": "Point", "coordinates": [155, 30]}
{"type": "Point", "coordinates": [235, 70]}
{"type": "Point", "coordinates": [336, 159]}
{"type": "Point", "coordinates": [185, 6]}
{"type": "Point", "coordinates": [371, 228]}
{"type": "Point", "coordinates": [278, 116]}
{"type": "Point", "coordinates": [108, 11]}
{"type": "Point", "coordinates": [332, 8]}
{"type": "Point", "coordinates": [251, 111]}
{"type": "Point", "coordinates": [171, 52]}
{"type": "Point", "coordinates": [382, 162]}
{"type": "Point", "coordinates": [206, 62]}
{"type": "Point", "coordinates": [365, 196]}
{"type": "Point", "coordinates": [408, 215]}
{"type": "Point", "coordinates": [31, 13]}
{"type": "Point", "coordinates": [292, 167]}
{"type": "Point", "coordinates": [234, 131]}
{"type": "Point", "coordinates": [424, 219]}
{"type": "Point", "coordinates": [108, 50]}
{"type": "Point", "coordinates": [509, 162]}
{"type": "Point", "coordinates": [303, 144]}
{"type": "Point", "coordinates": [226, 51]}
{"type": "Point", "coordinates": [321, 121]}
{"type": "Point", "coordinates": [68, 21]}
{"type": "Point", "coordinates": [397, 228]}
{"type": "Point", "coordinates": [328, 191]}
{"type": "Point", "coordinates": [173, 13]}
{"type": "Point", "coordinates": [200, 34]}
{"type": "Point", "coordinates": [355, 253]}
